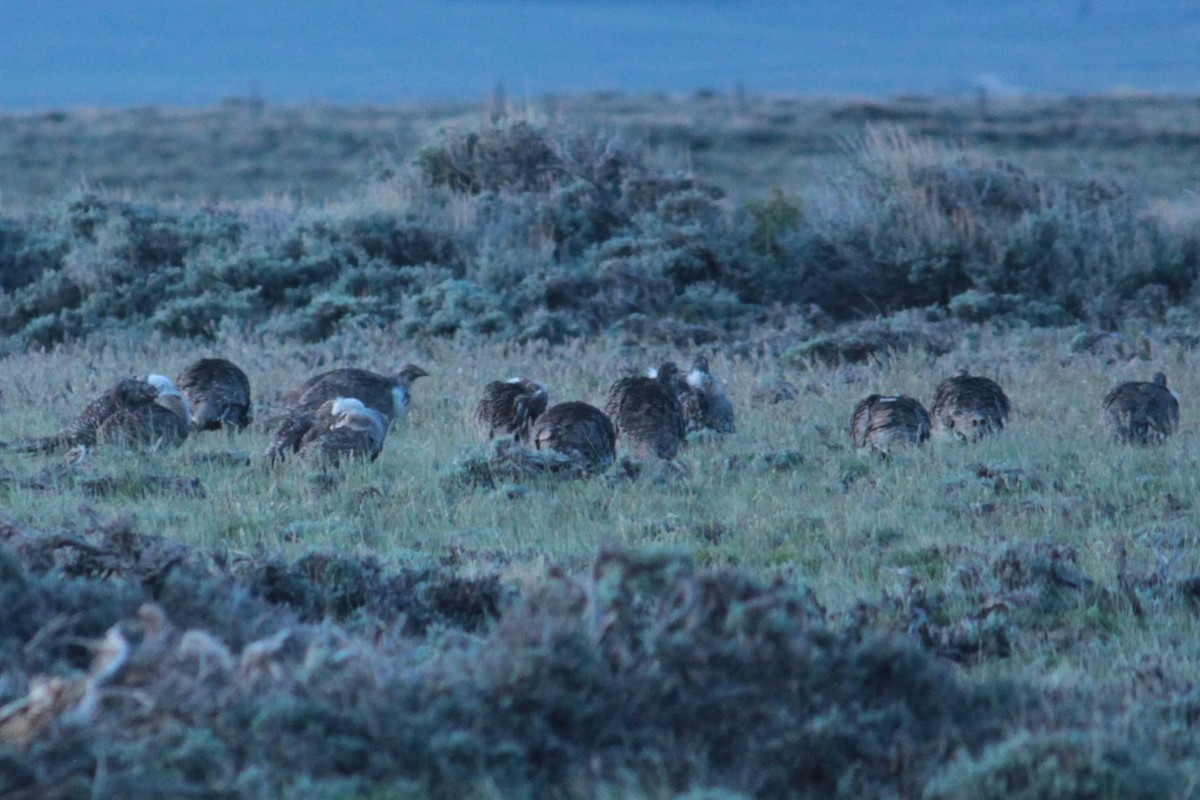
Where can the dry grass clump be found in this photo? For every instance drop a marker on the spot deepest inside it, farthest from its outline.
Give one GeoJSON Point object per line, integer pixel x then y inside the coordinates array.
{"type": "Point", "coordinates": [927, 331]}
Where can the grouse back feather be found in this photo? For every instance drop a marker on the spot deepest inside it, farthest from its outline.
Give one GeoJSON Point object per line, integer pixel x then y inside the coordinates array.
{"type": "Point", "coordinates": [879, 422]}
{"type": "Point", "coordinates": [969, 407]}
{"type": "Point", "coordinates": [509, 408]}
{"type": "Point", "coordinates": [289, 434]}
{"type": "Point", "coordinates": [579, 430]}
{"type": "Point", "coordinates": [166, 422]}
{"type": "Point", "coordinates": [646, 412]}
{"type": "Point", "coordinates": [1141, 413]}
{"type": "Point", "coordinates": [219, 393]}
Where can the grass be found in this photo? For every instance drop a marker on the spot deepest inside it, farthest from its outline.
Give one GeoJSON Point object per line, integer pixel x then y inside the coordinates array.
{"type": "Point", "coordinates": [779, 615]}
{"type": "Point", "coordinates": [1002, 557]}
{"type": "Point", "coordinates": [748, 144]}
{"type": "Point", "coordinates": [843, 522]}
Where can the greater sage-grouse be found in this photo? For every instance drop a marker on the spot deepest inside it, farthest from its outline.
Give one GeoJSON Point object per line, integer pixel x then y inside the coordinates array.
{"type": "Point", "coordinates": [969, 407]}
{"type": "Point", "coordinates": [219, 393]}
{"type": "Point", "coordinates": [579, 430]}
{"type": "Point", "coordinates": [646, 412]}
{"type": "Point", "coordinates": [509, 408]}
{"type": "Point", "coordinates": [879, 422]}
{"type": "Point", "coordinates": [387, 394]}
{"type": "Point", "coordinates": [134, 412]}
{"type": "Point", "coordinates": [346, 429]}
{"type": "Point", "coordinates": [338, 430]}
{"type": "Point", "coordinates": [1141, 413]}
{"type": "Point", "coordinates": [703, 401]}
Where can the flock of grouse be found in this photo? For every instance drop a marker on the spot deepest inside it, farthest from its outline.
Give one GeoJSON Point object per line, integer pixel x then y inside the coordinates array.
{"type": "Point", "coordinates": [968, 407]}
{"type": "Point", "coordinates": [346, 413]}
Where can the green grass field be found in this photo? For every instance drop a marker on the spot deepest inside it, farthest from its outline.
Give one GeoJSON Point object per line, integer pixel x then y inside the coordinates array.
{"type": "Point", "coordinates": [949, 534]}
{"type": "Point", "coordinates": [774, 615]}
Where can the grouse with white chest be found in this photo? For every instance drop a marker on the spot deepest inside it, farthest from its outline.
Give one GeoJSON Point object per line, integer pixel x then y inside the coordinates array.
{"type": "Point", "coordinates": [134, 412]}
{"type": "Point", "coordinates": [705, 405]}
{"type": "Point", "coordinates": [388, 394]}
{"type": "Point", "coordinates": [646, 412]}
{"type": "Point", "coordinates": [345, 429]}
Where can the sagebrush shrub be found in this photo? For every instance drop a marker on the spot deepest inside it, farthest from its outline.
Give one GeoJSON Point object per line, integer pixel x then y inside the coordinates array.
{"type": "Point", "coordinates": [516, 229]}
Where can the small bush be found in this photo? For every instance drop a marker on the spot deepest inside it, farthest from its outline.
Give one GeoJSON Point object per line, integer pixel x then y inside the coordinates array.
{"type": "Point", "coordinates": [29, 248]}
{"type": "Point", "coordinates": [874, 340]}
{"type": "Point", "coordinates": [772, 218]}
{"type": "Point", "coordinates": [513, 156]}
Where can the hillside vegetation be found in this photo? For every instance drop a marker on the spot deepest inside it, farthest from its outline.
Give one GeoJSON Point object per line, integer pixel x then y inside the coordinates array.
{"type": "Point", "coordinates": [773, 614]}
{"type": "Point", "coordinates": [520, 231]}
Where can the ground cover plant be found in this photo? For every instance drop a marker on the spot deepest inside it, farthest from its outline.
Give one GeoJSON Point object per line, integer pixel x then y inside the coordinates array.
{"type": "Point", "coordinates": [773, 615]}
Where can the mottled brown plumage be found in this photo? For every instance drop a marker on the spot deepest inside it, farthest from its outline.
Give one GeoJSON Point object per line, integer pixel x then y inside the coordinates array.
{"type": "Point", "coordinates": [579, 430]}
{"type": "Point", "coordinates": [703, 401]}
{"type": "Point", "coordinates": [509, 408]}
{"type": "Point", "coordinates": [289, 433]}
{"type": "Point", "coordinates": [133, 412]}
{"type": "Point", "coordinates": [880, 422]}
{"type": "Point", "coordinates": [1141, 413]}
{"type": "Point", "coordinates": [969, 407]}
{"type": "Point", "coordinates": [219, 393]}
{"type": "Point", "coordinates": [338, 429]}
{"type": "Point", "coordinates": [387, 394]}
{"type": "Point", "coordinates": [646, 412]}
{"type": "Point", "coordinates": [343, 429]}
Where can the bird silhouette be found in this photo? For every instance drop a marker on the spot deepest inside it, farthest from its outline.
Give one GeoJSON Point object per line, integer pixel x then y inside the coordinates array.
{"type": "Point", "coordinates": [219, 393]}
{"type": "Point", "coordinates": [703, 401]}
{"type": "Point", "coordinates": [646, 412]}
{"type": "Point", "coordinates": [388, 394]}
{"type": "Point", "coordinates": [1141, 413]}
{"type": "Point", "coordinates": [133, 412]}
{"type": "Point", "coordinates": [345, 429]}
{"type": "Point", "coordinates": [969, 407]}
{"type": "Point", "coordinates": [880, 422]}
{"type": "Point", "coordinates": [509, 408]}
{"type": "Point", "coordinates": [338, 430]}
{"type": "Point", "coordinates": [579, 430]}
